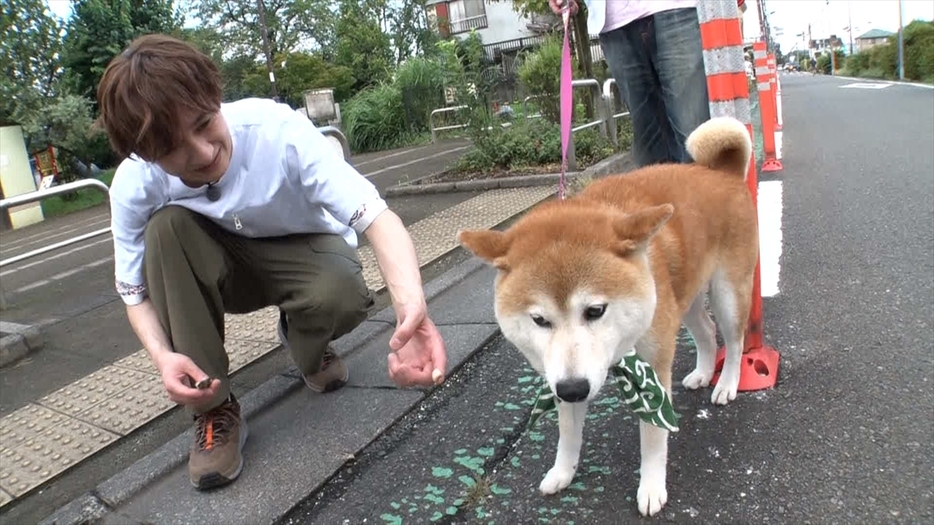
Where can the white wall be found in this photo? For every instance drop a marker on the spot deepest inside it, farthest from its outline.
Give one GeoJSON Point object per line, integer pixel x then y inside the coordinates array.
{"type": "Point", "coordinates": [503, 23]}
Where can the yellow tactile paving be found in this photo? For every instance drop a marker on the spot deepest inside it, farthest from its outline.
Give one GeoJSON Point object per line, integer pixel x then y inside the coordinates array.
{"type": "Point", "coordinates": [52, 434]}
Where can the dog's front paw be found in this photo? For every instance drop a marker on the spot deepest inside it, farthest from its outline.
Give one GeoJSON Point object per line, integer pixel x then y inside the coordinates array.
{"type": "Point", "coordinates": [697, 379]}
{"type": "Point", "coordinates": [652, 496]}
{"type": "Point", "coordinates": [557, 479]}
{"type": "Point", "coordinates": [725, 391]}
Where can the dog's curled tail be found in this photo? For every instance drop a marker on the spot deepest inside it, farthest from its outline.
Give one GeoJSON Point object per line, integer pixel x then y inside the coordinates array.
{"type": "Point", "coordinates": [721, 143]}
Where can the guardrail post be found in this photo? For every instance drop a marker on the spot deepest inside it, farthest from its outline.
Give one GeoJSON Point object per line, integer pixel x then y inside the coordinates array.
{"type": "Point", "coordinates": [331, 131]}
{"type": "Point", "coordinates": [35, 196]}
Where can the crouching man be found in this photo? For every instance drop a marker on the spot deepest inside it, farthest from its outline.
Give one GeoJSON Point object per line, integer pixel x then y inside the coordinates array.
{"type": "Point", "coordinates": [232, 207]}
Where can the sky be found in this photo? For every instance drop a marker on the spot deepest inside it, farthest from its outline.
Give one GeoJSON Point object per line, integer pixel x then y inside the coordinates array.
{"type": "Point", "coordinates": [832, 17]}
{"type": "Point", "coordinates": [826, 17]}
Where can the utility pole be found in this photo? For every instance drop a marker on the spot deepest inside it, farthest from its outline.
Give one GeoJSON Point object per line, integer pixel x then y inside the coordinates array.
{"type": "Point", "coordinates": [901, 44]}
{"type": "Point", "coordinates": [266, 50]}
{"type": "Point", "coordinates": [849, 15]}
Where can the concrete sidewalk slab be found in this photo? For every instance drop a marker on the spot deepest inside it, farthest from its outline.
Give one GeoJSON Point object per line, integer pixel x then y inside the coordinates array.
{"type": "Point", "coordinates": [298, 439]}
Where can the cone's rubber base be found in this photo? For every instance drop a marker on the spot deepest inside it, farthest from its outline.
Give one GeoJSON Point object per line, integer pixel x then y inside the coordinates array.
{"type": "Point", "coordinates": [757, 371]}
{"type": "Point", "coordinates": [772, 165]}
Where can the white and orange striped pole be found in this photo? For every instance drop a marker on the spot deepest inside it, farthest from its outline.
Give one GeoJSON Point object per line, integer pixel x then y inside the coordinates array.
{"type": "Point", "coordinates": [765, 80]}
{"type": "Point", "coordinates": [728, 90]}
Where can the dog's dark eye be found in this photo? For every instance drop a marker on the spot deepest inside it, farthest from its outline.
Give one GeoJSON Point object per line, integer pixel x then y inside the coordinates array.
{"type": "Point", "coordinates": [592, 313]}
{"type": "Point", "coordinates": [541, 321]}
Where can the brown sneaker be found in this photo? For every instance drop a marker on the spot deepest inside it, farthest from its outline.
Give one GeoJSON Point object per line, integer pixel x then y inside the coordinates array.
{"type": "Point", "coordinates": [215, 458]}
{"type": "Point", "coordinates": [333, 374]}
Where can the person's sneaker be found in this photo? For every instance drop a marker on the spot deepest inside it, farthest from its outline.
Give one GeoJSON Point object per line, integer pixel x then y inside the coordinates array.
{"type": "Point", "coordinates": [333, 374]}
{"type": "Point", "coordinates": [216, 453]}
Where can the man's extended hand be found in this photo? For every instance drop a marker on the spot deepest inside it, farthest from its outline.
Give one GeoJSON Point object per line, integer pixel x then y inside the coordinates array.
{"type": "Point", "coordinates": [179, 373]}
{"type": "Point", "coordinates": [419, 357]}
{"type": "Point", "coordinates": [558, 5]}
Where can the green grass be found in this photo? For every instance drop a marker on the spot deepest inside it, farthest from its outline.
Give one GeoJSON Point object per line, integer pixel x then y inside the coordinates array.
{"type": "Point", "coordinates": [80, 200]}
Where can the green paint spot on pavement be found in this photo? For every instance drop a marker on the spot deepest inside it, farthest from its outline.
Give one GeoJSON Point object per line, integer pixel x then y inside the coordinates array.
{"type": "Point", "coordinates": [601, 470]}
{"type": "Point", "coordinates": [598, 489]}
{"type": "Point", "coordinates": [570, 499]}
{"type": "Point", "coordinates": [534, 435]}
{"type": "Point", "coordinates": [577, 486]}
{"type": "Point", "coordinates": [460, 451]}
{"type": "Point", "coordinates": [437, 500]}
{"type": "Point", "coordinates": [433, 489]}
{"type": "Point", "coordinates": [392, 519]}
{"type": "Point", "coordinates": [441, 472]}
{"type": "Point", "coordinates": [452, 510]}
{"type": "Point", "coordinates": [512, 406]}
{"type": "Point", "coordinates": [499, 491]}
{"type": "Point", "coordinates": [467, 480]}
{"type": "Point", "coordinates": [536, 456]}
{"type": "Point", "coordinates": [471, 463]}
{"type": "Point", "coordinates": [436, 516]}
{"type": "Point", "coordinates": [526, 379]}
{"type": "Point", "coordinates": [514, 461]}
{"type": "Point", "coordinates": [395, 505]}
{"type": "Point", "coordinates": [485, 451]}
{"type": "Point", "coordinates": [458, 502]}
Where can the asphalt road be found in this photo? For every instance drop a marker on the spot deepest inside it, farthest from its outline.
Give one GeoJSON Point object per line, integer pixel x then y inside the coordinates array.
{"type": "Point", "coordinates": [845, 437]}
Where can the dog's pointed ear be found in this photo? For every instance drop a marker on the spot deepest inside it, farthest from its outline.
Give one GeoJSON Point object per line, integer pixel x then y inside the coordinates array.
{"type": "Point", "coordinates": [489, 245]}
{"type": "Point", "coordinates": [635, 229]}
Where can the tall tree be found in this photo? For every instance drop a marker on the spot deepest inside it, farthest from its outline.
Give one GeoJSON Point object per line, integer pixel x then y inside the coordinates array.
{"type": "Point", "coordinates": [362, 45]}
{"type": "Point", "coordinates": [409, 30]}
{"type": "Point", "coordinates": [101, 29]}
{"type": "Point", "coordinates": [292, 25]}
{"type": "Point", "coordinates": [30, 41]}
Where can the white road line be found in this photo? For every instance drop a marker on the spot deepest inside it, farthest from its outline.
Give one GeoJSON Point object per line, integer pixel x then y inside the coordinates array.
{"type": "Point", "coordinates": [396, 154]}
{"type": "Point", "coordinates": [409, 163]}
{"type": "Point", "coordinates": [770, 236]}
{"type": "Point", "coordinates": [56, 256]}
{"type": "Point", "coordinates": [46, 236]}
{"type": "Point", "coordinates": [63, 275]}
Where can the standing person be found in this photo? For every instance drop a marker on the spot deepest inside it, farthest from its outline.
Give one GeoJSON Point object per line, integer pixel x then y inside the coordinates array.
{"type": "Point", "coordinates": [653, 49]}
{"type": "Point", "coordinates": [231, 207]}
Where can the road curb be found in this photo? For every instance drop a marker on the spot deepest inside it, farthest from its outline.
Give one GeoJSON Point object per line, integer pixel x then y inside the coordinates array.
{"type": "Point", "coordinates": [114, 492]}
{"type": "Point", "coordinates": [21, 339]}
{"type": "Point", "coordinates": [613, 164]}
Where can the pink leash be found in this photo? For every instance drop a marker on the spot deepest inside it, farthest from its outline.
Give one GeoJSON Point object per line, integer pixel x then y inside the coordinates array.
{"type": "Point", "coordinates": [567, 103]}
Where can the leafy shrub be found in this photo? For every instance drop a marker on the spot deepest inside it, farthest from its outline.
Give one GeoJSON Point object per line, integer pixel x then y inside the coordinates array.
{"type": "Point", "coordinates": [540, 76]}
{"type": "Point", "coordinates": [374, 119]}
{"type": "Point", "coordinates": [420, 80]}
{"type": "Point", "coordinates": [526, 143]}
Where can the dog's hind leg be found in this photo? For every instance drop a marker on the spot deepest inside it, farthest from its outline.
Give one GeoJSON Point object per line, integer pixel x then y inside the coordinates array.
{"type": "Point", "coordinates": [704, 333]}
{"type": "Point", "coordinates": [570, 439]}
{"type": "Point", "coordinates": [730, 298]}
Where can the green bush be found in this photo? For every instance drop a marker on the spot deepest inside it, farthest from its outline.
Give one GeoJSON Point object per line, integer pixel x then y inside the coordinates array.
{"type": "Point", "coordinates": [374, 119]}
{"type": "Point", "coordinates": [421, 82]}
{"type": "Point", "coordinates": [540, 76]}
{"type": "Point", "coordinates": [534, 142]}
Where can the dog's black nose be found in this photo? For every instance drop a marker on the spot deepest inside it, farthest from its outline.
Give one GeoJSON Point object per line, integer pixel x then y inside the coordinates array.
{"type": "Point", "coordinates": [572, 390]}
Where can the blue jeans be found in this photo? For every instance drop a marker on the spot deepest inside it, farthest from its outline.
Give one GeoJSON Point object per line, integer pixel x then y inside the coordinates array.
{"type": "Point", "coordinates": [658, 64]}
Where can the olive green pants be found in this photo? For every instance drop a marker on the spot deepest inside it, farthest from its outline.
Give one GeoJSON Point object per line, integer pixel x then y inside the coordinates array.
{"type": "Point", "coordinates": [196, 271]}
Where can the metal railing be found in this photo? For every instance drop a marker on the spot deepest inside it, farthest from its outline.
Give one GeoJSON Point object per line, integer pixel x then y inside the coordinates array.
{"type": "Point", "coordinates": [36, 196]}
{"type": "Point", "coordinates": [431, 121]}
{"type": "Point", "coordinates": [609, 106]}
{"type": "Point", "coordinates": [331, 131]}
{"type": "Point", "coordinates": [604, 106]}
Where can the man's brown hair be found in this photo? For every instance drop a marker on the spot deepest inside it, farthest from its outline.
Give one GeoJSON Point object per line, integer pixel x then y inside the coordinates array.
{"type": "Point", "coordinates": [144, 88]}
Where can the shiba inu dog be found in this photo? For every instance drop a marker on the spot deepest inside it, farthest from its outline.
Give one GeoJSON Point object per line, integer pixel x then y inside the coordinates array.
{"type": "Point", "coordinates": [620, 265]}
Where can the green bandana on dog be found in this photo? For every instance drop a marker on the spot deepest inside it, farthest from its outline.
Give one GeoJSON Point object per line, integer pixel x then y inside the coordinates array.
{"type": "Point", "coordinates": [640, 389]}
